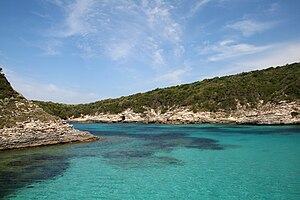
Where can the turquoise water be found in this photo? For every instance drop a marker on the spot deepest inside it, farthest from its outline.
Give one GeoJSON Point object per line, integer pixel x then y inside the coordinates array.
{"type": "Point", "coordinates": [135, 161]}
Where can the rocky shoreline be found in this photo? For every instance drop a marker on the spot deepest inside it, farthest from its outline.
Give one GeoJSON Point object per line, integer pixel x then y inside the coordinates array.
{"type": "Point", "coordinates": [38, 133]}
{"type": "Point", "coordinates": [24, 124]}
{"type": "Point", "coordinates": [283, 113]}
{"type": "Point", "coordinates": [34, 132]}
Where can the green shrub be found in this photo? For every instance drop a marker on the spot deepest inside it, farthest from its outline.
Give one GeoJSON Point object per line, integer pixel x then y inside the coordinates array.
{"type": "Point", "coordinates": [220, 93]}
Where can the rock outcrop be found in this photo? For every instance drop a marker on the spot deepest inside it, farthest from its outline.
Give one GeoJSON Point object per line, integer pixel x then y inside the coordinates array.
{"type": "Point", "coordinates": [38, 133]}
{"type": "Point", "coordinates": [24, 124]}
{"type": "Point", "coordinates": [264, 114]}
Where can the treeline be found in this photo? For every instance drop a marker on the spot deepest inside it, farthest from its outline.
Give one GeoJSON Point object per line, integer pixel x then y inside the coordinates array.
{"type": "Point", "coordinates": [219, 93]}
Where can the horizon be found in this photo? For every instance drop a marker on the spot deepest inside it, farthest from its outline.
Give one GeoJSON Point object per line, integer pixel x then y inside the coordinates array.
{"type": "Point", "coordinates": [85, 51]}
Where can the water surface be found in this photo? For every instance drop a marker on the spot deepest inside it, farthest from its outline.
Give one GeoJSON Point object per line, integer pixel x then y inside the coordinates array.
{"type": "Point", "coordinates": [139, 161]}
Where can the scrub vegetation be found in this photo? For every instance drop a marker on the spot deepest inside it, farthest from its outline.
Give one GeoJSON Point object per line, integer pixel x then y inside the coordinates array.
{"type": "Point", "coordinates": [217, 94]}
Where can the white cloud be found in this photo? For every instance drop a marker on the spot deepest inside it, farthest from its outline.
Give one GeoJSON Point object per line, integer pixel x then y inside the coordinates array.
{"type": "Point", "coordinates": [173, 77]}
{"type": "Point", "coordinates": [46, 16]}
{"type": "Point", "coordinates": [160, 20]}
{"type": "Point", "coordinates": [119, 29]}
{"type": "Point", "coordinates": [179, 50]}
{"type": "Point", "coordinates": [228, 49]}
{"type": "Point", "coordinates": [77, 21]}
{"type": "Point", "coordinates": [47, 92]}
{"type": "Point", "coordinates": [117, 51]}
{"type": "Point", "coordinates": [51, 47]}
{"type": "Point", "coordinates": [279, 54]}
{"type": "Point", "coordinates": [274, 7]}
{"type": "Point", "coordinates": [87, 50]}
{"type": "Point", "coordinates": [158, 58]}
{"type": "Point", "coordinates": [250, 27]}
{"type": "Point", "coordinates": [199, 4]}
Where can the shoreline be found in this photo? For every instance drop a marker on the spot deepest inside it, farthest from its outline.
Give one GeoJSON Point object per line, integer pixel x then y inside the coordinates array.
{"type": "Point", "coordinates": [265, 114]}
{"type": "Point", "coordinates": [37, 133]}
{"type": "Point", "coordinates": [51, 144]}
{"type": "Point", "coordinates": [184, 123]}
{"type": "Point", "coordinates": [34, 133]}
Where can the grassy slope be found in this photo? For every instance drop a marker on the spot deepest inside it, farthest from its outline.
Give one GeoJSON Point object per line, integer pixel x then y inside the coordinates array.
{"type": "Point", "coordinates": [6, 90]}
{"type": "Point", "coordinates": [220, 93]}
{"type": "Point", "coordinates": [15, 108]}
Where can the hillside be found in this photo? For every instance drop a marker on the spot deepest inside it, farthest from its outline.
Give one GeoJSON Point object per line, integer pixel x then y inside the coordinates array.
{"type": "Point", "coordinates": [249, 90]}
{"type": "Point", "coordinates": [15, 108]}
{"type": "Point", "coordinates": [6, 90]}
{"type": "Point", "coordinates": [24, 124]}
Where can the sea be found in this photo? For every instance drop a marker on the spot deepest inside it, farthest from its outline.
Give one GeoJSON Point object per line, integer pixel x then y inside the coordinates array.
{"type": "Point", "coordinates": [152, 161]}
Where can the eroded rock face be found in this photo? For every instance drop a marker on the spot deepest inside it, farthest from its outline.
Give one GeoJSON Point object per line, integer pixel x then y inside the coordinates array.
{"type": "Point", "coordinates": [282, 113]}
{"type": "Point", "coordinates": [24, 124]}
{"type": "Point", "coordinates": [38, 133]}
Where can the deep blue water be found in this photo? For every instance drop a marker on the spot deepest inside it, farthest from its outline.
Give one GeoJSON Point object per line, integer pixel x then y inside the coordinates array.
{"type": "Point", "coordinates": [139, 161]}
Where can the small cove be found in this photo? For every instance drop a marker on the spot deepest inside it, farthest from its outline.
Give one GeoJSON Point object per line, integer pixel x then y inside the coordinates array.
{"type": "Point", "coordinates": [149, 161]}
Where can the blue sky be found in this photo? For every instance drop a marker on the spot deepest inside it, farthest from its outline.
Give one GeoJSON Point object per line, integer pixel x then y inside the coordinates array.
{"type": "Point", "coordinates": [86, 50]}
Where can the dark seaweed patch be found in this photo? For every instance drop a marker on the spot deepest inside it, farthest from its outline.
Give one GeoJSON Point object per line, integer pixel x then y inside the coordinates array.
{"type": "Point", "coordinates": [168, 160]}
{"type": "Point", "coordinates": [22, 171]}
{"type": "Point", "coordinates": [156, 138]}
{"type": "Point", "coordinates": [127, 154]}
{"type": "Point", "coordinates": [128, 157]}
{"type": "Point", "coordinates": [169, 140]}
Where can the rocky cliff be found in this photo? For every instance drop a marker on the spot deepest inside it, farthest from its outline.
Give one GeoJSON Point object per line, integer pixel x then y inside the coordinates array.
{"type": "Point", "coordinates": [24, 124]}
{"type": "Point", "coordinates": [264, 114]}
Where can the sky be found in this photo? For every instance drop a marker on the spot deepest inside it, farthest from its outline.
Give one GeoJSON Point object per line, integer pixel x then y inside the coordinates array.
{"type": "Point", "coordinates": [82, 51]}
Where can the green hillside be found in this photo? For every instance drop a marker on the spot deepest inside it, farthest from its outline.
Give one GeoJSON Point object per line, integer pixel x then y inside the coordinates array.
{"type": "Point", "coordinates": [15, 108]}
{"type": "Point", "coordinates": [219, 93]}
{"type": "Point", "coordinates": [6, 90]}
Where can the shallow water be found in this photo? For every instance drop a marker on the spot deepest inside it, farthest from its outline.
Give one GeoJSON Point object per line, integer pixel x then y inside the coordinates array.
{"type": "Point", "coordinates": [139, 161]}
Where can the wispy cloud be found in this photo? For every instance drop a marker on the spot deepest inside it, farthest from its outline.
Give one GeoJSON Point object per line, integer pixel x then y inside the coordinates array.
{"type": "Point", "coordinates": [118, 50]}
{"type": "Point", "coordinates": [159, 18]}
{"type": "Point", "coordinates": [121, 29]}
{"type": "Point", "coordinates": [179, 50]}
{"type": "Point", "coordinates": [49, 47]}
{"type": "Point", "coordinates": [250, 27]}
{"type": "Point", "coordinates": [196, 7]}
{"type": "Point", "coordinates": [228, 49]}
{"type": "Point", "coordinates": [276, 54]}
{"type": "Point", "coordinates": [279, 54]}
{"type": "Point", "coordinates": [77, 20]}
{"type": "Point", "coordinates": [273, 7]}
{"type": "Point", "coordinates": [47, 92]}
{"type": "Point", "coordinates": [158, 58]}
{"type": "Point", "coordinates": [87, 50]}
{"type": "Point", "coordinates": [174, 77]}
{"type": "Point", "coordinates": [45, 16]}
